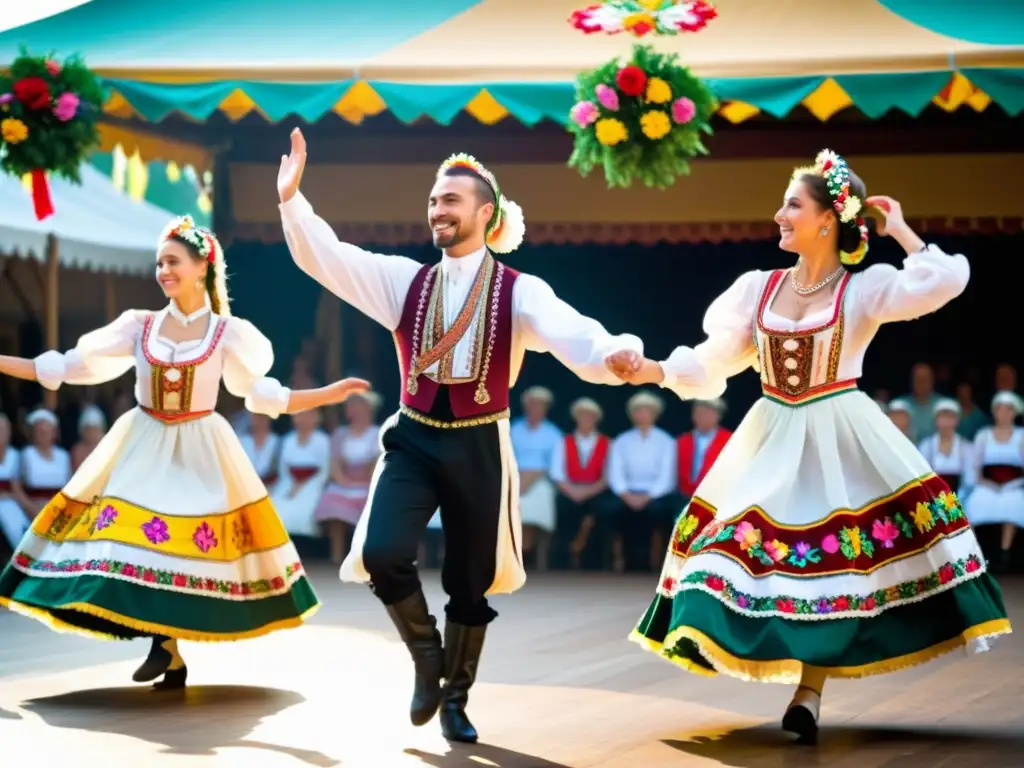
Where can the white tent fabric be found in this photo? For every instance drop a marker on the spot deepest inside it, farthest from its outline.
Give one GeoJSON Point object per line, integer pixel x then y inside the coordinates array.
{"type": "Point", "coordinates": [97, 226]}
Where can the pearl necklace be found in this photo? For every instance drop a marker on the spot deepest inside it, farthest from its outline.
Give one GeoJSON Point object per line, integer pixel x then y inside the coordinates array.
{"type": "Point", "coordinates": [808, 290]}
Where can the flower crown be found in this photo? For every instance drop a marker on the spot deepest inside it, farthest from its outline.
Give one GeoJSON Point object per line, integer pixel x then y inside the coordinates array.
{"type": "Point", "coordinates": [836, 173]}
{"type": "Point", "coordinates": [202, 240]}
{"type": "Point", "coordinates": [507, 227]}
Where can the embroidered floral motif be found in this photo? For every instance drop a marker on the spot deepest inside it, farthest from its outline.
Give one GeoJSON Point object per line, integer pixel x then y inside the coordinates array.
{"type": "Point", "coordinates": [881, 598]}
{"type": "Point", "coordinates": [156, 531]}
{"type": "Point", "coordinates": [182, 581]}
{"type": "Point", "coordinates": [852, 540]}
{"type": "Point", "coordinates": [241, 533]}
{"type": "Point", "coordinates": [204, 538]}
{"type": "Point", "coordinates": [106, 518]}
{"type": "Point", "coordinates": [59, 523]}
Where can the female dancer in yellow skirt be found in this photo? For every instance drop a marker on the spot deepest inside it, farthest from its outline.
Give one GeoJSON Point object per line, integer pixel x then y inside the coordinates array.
{"type": "Point", "coordinates": [165, 531]}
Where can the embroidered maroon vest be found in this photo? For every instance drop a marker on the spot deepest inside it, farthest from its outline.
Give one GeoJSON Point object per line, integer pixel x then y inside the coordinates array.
{"type": "Point", "coordinates": [488, 392]}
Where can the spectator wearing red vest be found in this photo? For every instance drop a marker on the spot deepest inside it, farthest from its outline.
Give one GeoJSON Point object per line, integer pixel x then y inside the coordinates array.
{"type": "Point", "coordinates": [578, 471]}
{"type": "Point", "coordinates": [698, 448]}
{"type": "Point", "coordinates": [642, 474]}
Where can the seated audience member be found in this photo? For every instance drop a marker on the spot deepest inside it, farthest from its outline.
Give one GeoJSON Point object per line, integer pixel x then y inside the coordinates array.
{"type": "Point", "coordinates": [534, 439]}
{"type": "Point", "coordinates": [355, 448]}
{"type": "Point", "coordinates": [642, 475]}
{"type": "Point", "coordinates": [578, 470]}
{"type": "Point", "coordinates": [950, 456]}
{"type": "Point", "coordinates": [698, 449]}
{"type": "Point", "coordinates": [998, 497]}
{"type": "Point", "coordinates": [900, 415]}
{"type": "Point", "coordinates": [262, 447]}
{"type": "Point", "coordinates": [304, 467]}
{"type": "Point", "coordinates": [92, 425]}
{"type": "Point", "coordinates": [45, 466]}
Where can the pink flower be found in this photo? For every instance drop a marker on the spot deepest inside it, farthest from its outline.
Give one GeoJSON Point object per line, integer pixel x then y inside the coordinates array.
{"type": "Point", "coordinates": [608, 97]}
{"type": "Point", "coordinates": [830, 544]}
{"type": "Point", "coordinates": [6, 98]}
{"type": "Point", "coordinates": [204, 538]}
{"type": "Point", "coordinates": [885, 531]}
{"type": "Point", "coordinates": [584, 113]}
{"type": "Point", "coordinates": [53, 67]}
{"type": "Point", "coordinates": [683, 110]}
{"type": "Point", "coordinates": [66, 107]}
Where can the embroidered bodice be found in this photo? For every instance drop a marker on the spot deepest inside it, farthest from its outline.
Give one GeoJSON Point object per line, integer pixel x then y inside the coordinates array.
{"type": "Point", "coordinates": [173, 378]}
{"type": "Point", "coordinates": [823, 349]}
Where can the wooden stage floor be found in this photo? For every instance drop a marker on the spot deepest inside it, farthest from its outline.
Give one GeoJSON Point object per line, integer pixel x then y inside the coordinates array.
{"type": "Point", "coordinates": [559, 686]}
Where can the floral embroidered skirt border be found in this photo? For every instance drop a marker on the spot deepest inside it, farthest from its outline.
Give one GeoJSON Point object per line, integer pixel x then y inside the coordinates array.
{"type": "Point", "coordinates": [820, 537]}
{"type": "Point", "coordinates": [164, 529]}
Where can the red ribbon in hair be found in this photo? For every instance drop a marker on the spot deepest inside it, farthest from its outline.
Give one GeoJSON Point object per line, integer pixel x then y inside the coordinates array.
{"type": "Point", "coordinates": [41, 194]}
{"type": "Point", "coordinates": [211, 253]}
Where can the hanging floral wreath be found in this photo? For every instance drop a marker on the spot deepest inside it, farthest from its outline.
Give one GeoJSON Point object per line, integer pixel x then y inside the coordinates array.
{"type": "Point", "coordinates": [642, 120]}
{"type": "Point", "coordinates": [48, 114]}
{"type": "Point", "coordinates": [643, 17]}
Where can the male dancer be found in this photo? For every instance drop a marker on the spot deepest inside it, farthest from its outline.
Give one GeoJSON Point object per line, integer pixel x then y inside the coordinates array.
{"type": "Point", "coordinates": [461, 328]}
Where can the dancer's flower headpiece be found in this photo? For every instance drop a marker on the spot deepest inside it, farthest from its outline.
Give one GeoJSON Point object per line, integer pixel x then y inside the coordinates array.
{"type": "Point", "coordinates": [836, 173]}
{"type": "Point", "coordinates": [201, 239]}
{"type": "Point", "coordinates": [507, 227]}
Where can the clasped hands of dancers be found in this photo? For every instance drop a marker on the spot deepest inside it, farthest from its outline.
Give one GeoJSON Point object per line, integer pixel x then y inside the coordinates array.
{"type": "Point", "coordinates": [166, 531]}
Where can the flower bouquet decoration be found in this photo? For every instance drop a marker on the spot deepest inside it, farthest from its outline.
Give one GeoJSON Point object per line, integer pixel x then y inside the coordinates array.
{"type": "Point", "coordinates": [642, 119]}
{"type": "Point", "coordinates": [48, 113]}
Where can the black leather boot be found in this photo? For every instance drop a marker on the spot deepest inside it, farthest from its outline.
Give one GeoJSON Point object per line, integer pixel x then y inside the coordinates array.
{"type": "Point", "coordinates": [158, 663]}
{"type": "Point", "coordinates": [462, 648]}
{"type": "Point", "coordinates": [418, 630]}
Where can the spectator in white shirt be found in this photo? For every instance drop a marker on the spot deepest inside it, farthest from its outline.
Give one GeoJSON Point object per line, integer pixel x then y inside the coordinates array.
{"type": "Point", "coordinates": [578, 470]}
{"type": "Point", "coordinates": [642, 474]}
{"type": "Point", "coordinates": [534, 439]}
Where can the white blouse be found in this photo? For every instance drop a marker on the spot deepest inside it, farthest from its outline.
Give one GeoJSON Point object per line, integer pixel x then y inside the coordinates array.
{"type": "Point", "coordinates": [10, 466]}
{"type": "Point", "coordinates": [880, 294]}
{"type": "Point", "coordinates": [959, 460]}
{"type": "Point", "coordinates": [42, 473]}
{"type": "Point", "coordinates": [232, 350]}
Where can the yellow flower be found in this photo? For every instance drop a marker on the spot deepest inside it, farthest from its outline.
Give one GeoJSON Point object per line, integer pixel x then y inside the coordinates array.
{"type": "Point", "coordinates": [655, 124]}
{"type": "Point", "coordinates": [13, 131]}
{"type": "Point", "coordinates": [610, 131]}
{"type": "Point", "coordinates": [854, 534]}
{"type": "Point", "coordinates": [923, 517]}
{"type": "Point", "coordinates": [658, 91]}
{"type": "Point", "coordinates": [640, 23]}
{"type": "Point", "coordinates": [685, 527]}
{"type": "Point", "coordinates": [651, 5]}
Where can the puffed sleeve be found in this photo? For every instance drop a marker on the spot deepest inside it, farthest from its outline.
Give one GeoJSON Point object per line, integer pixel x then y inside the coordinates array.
{"type": "Point", "coordinates": [248, 358]}
{"type": "Point", "coordinates": [99, 356]}
{"type": "Point", "coordinates": [701, 372]}
{"type": "Point", "coordinates": [929, 280]}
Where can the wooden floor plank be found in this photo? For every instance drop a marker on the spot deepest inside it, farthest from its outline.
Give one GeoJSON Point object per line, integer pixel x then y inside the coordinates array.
{"type": "Point", "coordinates": [559, 687]}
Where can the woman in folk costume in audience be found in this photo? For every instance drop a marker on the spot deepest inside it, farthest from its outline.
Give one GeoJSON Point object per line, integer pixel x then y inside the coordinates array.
{"type": "Point", "coordinates": [355, 448]}
{"type": "Point", "coordinates": [999, 466]}
{"type": "Point", "coordinates": [13, 520]}
{"type": "Point", "coordinates": [304, 467]}
{"type": "Point", "coordinates": [92, 425]}
{"type": "Point", "coordinates": [533, 440]}
{"type": "Point", "coordinates": [45, 466]}
{"type": "Point", "coordinates": [820, 544]}
{"type": "Point", "coordinates": [165, 531]}
{"type": "Point", "coordinates": [261, 447]}
{"type": "Point", "coordinates": [950, 456]}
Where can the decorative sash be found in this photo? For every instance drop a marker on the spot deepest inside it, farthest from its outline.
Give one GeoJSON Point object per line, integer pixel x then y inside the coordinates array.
{"type": "Point", "coordinates": [301, 474]}
{"type": "Point", "coordinates": [423, 358]}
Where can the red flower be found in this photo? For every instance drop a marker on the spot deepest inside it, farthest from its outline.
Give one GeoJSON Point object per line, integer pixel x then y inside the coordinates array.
{"type": "Point", "coordinates": [946, 574]}
{"type": "Point", "coordinates": [210, 585]}
{"type": "Point", "coordinates": [582, 20]}
{"type": "Point", "coordinates": [631, 80]}
{"type": "Point", "coordinates": [53, 67]}
{"type": "Point", "coordinates": [868, 604]}
{"type": "Point", "coordinates": [246, 589]}
{"type": "Point", "coordinates": [33, 92]}
{"type": "Point", "coordinates": [840, 604]}
{"type": "Point", "coordinates": [129, 570]}
{"type": "Point", "coordinates": [149, 576]}
{"type": "Point", "coordinates": [236, 589]}
{"type": "Point", "coordinates": [641, 28]}
{"type": "Point", "coordinates": [973, 564]}
{"type": "Point", "coordinates": [715, 583]}
{"type": "Point", "coordinates": [277, 582]}
{"type": "Point", "coordinates": [785, 606]}
{"type": "Point", "coordinates": [105, 566]}
{"type": "Point", "coordinates": [668, 584]}
{"type": "Point", "coordinates": [179, 580]}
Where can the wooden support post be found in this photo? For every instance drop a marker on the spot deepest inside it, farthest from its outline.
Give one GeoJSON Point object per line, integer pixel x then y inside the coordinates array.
{"type": "Point", "coordinates": [52, 307]}
{"type": "Point", "coordinates": [110, 296]}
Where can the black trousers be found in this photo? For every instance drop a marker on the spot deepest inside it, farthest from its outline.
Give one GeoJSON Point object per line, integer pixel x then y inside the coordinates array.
{"type": "Point", "coordinates": [458, 470]}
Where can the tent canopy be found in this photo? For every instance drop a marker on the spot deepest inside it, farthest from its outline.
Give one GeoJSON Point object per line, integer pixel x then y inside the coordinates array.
{"type": "Point", "coordinates": [97, 227]}
{"type": "Point", "coordinates": [500, 58]}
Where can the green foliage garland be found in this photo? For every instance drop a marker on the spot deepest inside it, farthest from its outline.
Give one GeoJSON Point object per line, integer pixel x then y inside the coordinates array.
{"type": "Point", "coordinates": [656, 162]}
